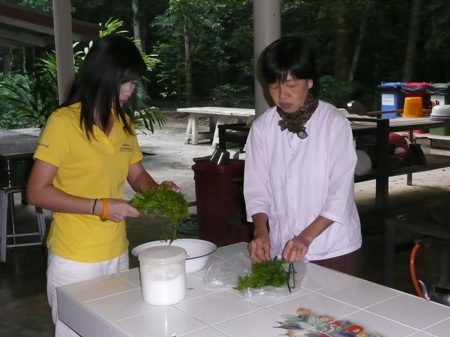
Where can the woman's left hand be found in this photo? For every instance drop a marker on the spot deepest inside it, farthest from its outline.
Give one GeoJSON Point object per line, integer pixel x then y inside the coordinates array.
{"type": "Point", "coordinates": [295, 249]}
{"type": "Point", "coordinates": [171, 185]}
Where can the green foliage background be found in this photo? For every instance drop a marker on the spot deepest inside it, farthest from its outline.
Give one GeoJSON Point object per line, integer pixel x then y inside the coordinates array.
{"type": "Point", "coordinates": [220, 49]}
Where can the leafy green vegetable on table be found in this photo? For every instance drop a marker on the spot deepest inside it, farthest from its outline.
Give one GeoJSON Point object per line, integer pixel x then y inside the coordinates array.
{"type": "Point", "coordinates": [268, 273]}
{"type": "Point", "coordinates": [165, 204]}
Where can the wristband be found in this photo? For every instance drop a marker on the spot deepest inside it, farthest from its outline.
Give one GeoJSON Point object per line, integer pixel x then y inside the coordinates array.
{"type": "Point", "coordinates": [93, 206]}
{"type": "Point", "coordinates": [105, 209]}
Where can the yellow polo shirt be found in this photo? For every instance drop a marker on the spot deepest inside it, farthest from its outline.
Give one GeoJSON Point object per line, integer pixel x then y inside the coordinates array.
{"type": "Point", "coordinates": [95, 168]}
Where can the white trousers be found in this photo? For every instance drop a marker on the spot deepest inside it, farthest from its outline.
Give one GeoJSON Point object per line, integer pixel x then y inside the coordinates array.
{"type": "Point", "coordinates": [61, 271]}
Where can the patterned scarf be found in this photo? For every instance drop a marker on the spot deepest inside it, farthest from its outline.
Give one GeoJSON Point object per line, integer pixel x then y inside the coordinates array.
{"type": "Point", "coordinates": [295, 121]}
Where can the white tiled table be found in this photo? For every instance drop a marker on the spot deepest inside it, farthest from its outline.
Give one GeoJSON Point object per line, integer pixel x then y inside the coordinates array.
{"type": "Point", "coordinates": [113, 306]}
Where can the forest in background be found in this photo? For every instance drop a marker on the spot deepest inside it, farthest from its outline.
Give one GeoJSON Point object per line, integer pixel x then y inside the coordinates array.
{"type": "Point", "coordinates": [205, 52]}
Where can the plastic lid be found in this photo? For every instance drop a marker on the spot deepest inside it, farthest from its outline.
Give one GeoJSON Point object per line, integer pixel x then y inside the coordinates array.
{"type": "Point", "coordinates": [416, 84]}
{"type": "Point", "coordinates": [439, 85]}
{"type": "Point", "coordinates": [162, 255]}
{"type": "Point", "coordinates": [390, 84]}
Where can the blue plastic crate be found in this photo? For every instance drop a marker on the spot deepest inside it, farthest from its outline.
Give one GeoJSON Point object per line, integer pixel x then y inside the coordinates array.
{"type": "Point", "coordinates": [392, 98]}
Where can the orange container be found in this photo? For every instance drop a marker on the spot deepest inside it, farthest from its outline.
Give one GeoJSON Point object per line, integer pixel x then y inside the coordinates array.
{"type": "Point", "coordinates": [413, 107]}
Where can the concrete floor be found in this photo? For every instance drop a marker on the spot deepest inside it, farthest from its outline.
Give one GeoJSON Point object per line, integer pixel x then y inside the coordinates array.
{"type": "Point", "coordinates": [23, 306]}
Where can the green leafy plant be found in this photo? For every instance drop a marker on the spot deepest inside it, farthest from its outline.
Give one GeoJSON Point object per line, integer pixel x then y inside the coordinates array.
{"type": "Point", "coordinates": [31, 96]}
{"type": "Point", "coordinates": [166, 205]}
{"type": "Point", "coordinates": [34, 95]}
{"type": "Point", "coordinates": [267, 273]}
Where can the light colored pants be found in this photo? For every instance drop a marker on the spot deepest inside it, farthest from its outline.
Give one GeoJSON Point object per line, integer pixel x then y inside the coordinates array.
{"type": "Point", "coordinates": [61, 271]}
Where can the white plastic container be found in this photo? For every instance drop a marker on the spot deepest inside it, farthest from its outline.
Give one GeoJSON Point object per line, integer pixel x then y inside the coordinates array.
{"type": "Point", "coordinates": [163, 275]}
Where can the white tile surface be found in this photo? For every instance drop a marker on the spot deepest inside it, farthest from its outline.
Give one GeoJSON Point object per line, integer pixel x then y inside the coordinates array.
{"type": "Point", "coordinates": [123, 305]}
{"type": "Point", "coordinates": [93, 327]}
{"type": "Point", "coordinates": [423, 334]}
{"type": "Point", "coordinates": [70, 312]}
{"type": "Point", "coordinates": [162, 322]}
{"type": "Point", "coordinates": [318, 277]}
{"type": "Point", "coordinates": [97, 288]}
{"type": "Point", "coordinates": [411, 310]}
{"type": "Point", "coordinates": [359, 293]}
{"type": "Point", "coordinates": [113, 306]}
{"type": "Point", "coordinates": [206, 332]}
{"type": "Point", "coordinates": [258, 323]}
{"type": "Point", "coordinates": [195, 288]}
{"type": "Point", "coordinates": [372, 323]}
{"type": "Point", "coordinates": [132, 276]}
{"type": "Point", "coordinates": [266, 300]}
{"type": "Point", "coordinates": [217, 307]}
{"type": "Point", "coordinates": [440, 329]}
{"type": "Point", "coordinates": [316, 303]}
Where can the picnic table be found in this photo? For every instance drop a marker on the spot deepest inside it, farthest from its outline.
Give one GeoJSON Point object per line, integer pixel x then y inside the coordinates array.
{"type": "Point", "coordinates": [217, 116]}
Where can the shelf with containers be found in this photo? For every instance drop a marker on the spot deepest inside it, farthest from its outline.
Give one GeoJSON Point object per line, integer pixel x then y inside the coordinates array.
{"type": "Point", "coordinates": [382, 127]}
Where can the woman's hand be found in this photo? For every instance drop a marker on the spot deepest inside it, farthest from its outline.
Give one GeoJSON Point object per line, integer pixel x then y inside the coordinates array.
{"type": "Point", "coordinates": [296, 249]}
{"type": "Point", "coordinates": [171, 185]}
{"type": "Point", "coordinates": [259, 248]}
{"type": "Point", "coordinates": [118, 210]}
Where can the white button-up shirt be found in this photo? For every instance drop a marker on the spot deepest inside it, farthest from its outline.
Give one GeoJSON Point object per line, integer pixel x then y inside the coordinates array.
{"type": "Point", "coordinates": [295, 180]}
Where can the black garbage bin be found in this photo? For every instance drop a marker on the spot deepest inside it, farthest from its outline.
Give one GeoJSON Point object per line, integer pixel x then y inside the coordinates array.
{"type": "Point", "coordinates": [221, 217]}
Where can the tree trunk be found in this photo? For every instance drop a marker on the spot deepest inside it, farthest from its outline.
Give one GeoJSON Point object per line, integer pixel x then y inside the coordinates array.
{"type": "Point", "coordinates": [6, 62]}
{"type": "Point", "coordinates": [136, 23]}
{"type": "Point", "coordinates": [413, 37]}
{"type": "Point", "coordinates": [362, 32]}
{"type": "Point", "coordinates": [187, 68]}
{"type": "Point", "coordinates": [341, 51]}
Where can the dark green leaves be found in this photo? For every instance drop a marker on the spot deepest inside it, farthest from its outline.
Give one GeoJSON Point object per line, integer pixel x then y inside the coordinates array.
{"type": "Point", "coordinates": [167, 205]}
{"type": "Point", "coordinates": [267, 273]}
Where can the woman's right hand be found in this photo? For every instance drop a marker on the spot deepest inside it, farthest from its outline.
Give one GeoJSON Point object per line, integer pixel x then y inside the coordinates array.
{"type": "Point", "coordinates": [118, 209]}
{"type": "Point", "coordinates": [259, 248]}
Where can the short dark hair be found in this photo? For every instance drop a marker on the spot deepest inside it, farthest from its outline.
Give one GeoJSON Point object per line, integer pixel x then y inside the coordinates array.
{"type": "Point", "coordinates": [111, 61]}
{"type": "Point", "coordinates": [291, 54]}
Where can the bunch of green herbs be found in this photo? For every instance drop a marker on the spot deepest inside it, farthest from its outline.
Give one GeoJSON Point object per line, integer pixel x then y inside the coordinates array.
{"type": "Point", "coordinates": [166, 205]}
{"type": "Point", "coordinates": [267, 273]}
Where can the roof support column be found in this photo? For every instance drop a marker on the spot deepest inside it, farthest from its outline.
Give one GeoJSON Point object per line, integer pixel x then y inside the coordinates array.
{"type": "Point", "coordinates": [266, 28]}
{"type": "Point", "coordinates": [62, 19]}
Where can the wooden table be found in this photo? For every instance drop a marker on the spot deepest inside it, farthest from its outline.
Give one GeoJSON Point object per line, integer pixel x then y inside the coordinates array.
{"type": "Point", "coordinates": [112, 306]}
{"type": "Point", "coordinates": [217, 116]}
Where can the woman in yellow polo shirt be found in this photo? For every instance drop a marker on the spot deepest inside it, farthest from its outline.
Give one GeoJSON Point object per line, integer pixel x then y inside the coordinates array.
{"type": "Point", "coordinates": [85, 153]}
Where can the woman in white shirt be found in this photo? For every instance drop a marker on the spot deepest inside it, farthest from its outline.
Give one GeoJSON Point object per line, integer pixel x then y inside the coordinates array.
{"type": "Point", "coordinates": [299, 168]}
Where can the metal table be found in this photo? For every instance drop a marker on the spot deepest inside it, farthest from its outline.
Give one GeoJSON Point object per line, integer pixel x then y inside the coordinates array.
{"type": "Point", "coordinates": [16, 159]}
{"type": "Point", "coordinates": [370, 126]}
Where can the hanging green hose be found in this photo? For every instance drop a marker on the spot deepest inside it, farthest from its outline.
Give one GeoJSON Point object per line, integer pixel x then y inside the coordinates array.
{"type": "Point", "coordinates": [189, 226]}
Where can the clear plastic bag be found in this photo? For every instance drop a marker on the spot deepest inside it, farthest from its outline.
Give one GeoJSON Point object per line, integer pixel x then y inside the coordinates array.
{"type": "Point", "coordinates": [224, 274]}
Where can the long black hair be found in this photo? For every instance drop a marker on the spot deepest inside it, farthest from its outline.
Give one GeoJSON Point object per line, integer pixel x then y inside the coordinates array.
{"type": "Point", "coordinates": [111, 61]}
{"type": "Point", "coordinates": [290, 54]}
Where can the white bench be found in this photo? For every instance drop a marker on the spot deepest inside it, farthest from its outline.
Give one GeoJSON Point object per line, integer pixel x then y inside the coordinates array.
{"type": "Point", "coordinates": [217, 116]}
